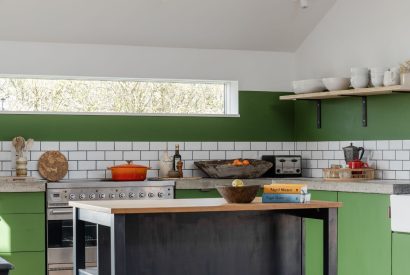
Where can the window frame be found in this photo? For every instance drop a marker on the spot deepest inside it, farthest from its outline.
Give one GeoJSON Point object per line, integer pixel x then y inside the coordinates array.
{"type": "Point", "coordinates": [231, 96]}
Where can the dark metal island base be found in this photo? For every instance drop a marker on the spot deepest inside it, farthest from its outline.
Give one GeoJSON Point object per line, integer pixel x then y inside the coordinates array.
{"type": "Point", "coordinates": [201, 237]}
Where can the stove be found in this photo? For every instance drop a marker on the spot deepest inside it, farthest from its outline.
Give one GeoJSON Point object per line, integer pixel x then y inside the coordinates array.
{"type": "Point", "coordinates": [60, 214]}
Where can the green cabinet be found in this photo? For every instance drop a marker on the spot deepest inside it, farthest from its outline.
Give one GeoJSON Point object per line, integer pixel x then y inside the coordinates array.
{"type": "Point", "coordinates": [364, 234]}
{"type": "Point", "coordinates": [400, 254]}
{"type": "Point", "coordinates": [23, 232]}
{"type": "Point", "coordinates": [196, 193]}
{"type": "Point", "coordinates": [314, 237]}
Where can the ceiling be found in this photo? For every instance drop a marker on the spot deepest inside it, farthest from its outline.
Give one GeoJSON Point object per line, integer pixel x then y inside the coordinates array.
{"type": "Point", "coordinates": [265, 25]}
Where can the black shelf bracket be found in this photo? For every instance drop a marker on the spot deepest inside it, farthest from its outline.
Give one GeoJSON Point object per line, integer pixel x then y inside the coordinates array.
{"type": "Point", "coordinates": [364, 111]}
{"type": "Point", "coordinates": [318, 113]}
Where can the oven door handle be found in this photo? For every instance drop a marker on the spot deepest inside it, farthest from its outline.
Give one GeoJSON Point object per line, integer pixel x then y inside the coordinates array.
{"type": "Point", "coordinates": [59, 212]}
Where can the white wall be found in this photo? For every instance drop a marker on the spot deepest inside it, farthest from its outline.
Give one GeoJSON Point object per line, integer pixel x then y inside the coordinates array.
{"type": "Point", "coordinates": [363, 33]}
{"type": "Point", "coordinates": [257, 71]}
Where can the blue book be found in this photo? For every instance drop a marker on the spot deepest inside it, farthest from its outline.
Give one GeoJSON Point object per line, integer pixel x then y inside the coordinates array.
{"type": "Point", "coordinates": [285, 198]}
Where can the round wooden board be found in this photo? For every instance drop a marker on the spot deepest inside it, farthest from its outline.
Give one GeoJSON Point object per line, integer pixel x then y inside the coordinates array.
{"type": "Point", "coordinates": [53, 166]}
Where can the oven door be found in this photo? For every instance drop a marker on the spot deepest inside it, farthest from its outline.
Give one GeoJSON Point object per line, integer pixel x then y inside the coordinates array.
{"type": "Point", "coordinates": [60, 241]}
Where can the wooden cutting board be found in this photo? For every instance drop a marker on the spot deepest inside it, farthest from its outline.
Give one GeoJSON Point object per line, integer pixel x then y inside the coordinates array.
{"type": "Point", "coordinates": [53, 166]}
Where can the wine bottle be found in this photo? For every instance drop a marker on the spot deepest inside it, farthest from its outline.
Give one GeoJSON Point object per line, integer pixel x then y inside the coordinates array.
{"type": "Point", "coordinates": [177, 157]}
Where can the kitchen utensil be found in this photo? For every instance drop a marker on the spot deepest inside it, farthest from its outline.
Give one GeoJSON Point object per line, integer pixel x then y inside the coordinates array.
{"type": "Point", "coordinates": [165, 165]}
{"type": "Point", "coordinates": [352, 153]}
{"type": "Point", "coordinates": [242, 194]}
{"type": "Point", "coordinates": [308, 86]}
{"type": "Point", "coordinates": [129, 172]}
{"type": "Point", "coordinates": [357, 164]}
{"type": "Point", "coordinates": [226, 169]}
{"type": "Point", "coordinates": [21, 167]}
{"type": "Point", "coordinates": [336, 83]}
{"type": "Point", "coordinates": [53, 166]}
{"type": "Point", "coordinates": [19, 144]}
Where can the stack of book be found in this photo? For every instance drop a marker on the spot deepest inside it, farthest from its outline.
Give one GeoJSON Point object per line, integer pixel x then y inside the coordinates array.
{"type": "Point", "coordinates": [285, 193]}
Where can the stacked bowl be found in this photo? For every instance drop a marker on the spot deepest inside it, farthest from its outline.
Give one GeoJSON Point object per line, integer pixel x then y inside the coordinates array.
{"type": "Point", "coordinates": [359, 77]}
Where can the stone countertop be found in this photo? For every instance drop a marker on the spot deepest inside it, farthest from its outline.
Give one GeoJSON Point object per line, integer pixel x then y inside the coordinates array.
{"type": "Point", "coordinates": [9, 186]}
{"type": "Point", "coordinates": [371, 186]}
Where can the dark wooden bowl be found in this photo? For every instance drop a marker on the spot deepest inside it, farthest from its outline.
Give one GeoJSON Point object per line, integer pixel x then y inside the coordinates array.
{"type": "Point", "coordinates": [223, 169]}
{"type": "Point", "coordinates": [243, 194]}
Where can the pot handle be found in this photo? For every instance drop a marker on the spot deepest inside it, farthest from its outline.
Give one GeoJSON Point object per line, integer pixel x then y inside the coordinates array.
{"type": "Point", "coordinates": [361, 155]}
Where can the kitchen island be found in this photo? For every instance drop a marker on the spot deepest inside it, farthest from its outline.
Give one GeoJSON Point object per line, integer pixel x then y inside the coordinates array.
{"type": "Point", "coordinates": [202, 236]}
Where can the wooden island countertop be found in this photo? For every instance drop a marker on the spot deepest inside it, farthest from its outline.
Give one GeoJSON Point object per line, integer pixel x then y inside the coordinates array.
{"type": "Point", "coordinates": [192, 205]}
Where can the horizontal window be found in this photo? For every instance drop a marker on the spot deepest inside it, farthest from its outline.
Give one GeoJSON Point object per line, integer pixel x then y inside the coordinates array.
{"type": "Point", "coordinates": [121, 97]}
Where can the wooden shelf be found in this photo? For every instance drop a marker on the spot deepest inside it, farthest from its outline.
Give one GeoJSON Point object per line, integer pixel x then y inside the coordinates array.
{"type": "Point", "coordinates": [345, 93]}
{"type": "Point", "coordinates": [363, 93]}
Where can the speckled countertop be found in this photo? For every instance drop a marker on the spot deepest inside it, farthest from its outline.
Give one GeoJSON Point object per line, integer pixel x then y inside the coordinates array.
{"type": "Point", "coordinates": [372, 186]}
{"type": "Point", "coordinates": [8, 186]}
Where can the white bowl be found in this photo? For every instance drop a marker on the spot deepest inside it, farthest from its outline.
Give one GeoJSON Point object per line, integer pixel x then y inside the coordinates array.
{"type": "Point", "coordinates": [307, 86]}
{"type": "Point", "coordinates": [336, 83]}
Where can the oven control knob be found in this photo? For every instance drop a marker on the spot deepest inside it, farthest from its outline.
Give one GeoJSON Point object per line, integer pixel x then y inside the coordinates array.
{"type": "Point", "coordinates": [122, 195]}
{"type": "Point", "coordinates": [82, 196]}
{"type": "Point", "coordinates": [160, 195]}
{"type": "Point", "coordinates": [71, 196]}
{"type": "Point", "coordinates": [131, 195]}
{"type": "Point", "coordinates": [92, 196]}
{"type": "Point", "coordinates": [150, 195]}
{"type": "Point", "coordinates": [102, 196]}
{"type": "Point", "coordinates": [141, 195]}
{"type": "Point", "coordinates": [112, 196]}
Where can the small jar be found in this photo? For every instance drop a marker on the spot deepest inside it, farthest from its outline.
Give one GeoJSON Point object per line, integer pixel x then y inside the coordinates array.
{"type": "Point", "coordinates": [21, 167]}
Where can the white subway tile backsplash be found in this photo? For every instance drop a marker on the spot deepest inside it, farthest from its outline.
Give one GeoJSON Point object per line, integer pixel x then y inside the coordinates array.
{"type": "Point", "coordinates": [122, 145]}
{"type": "Point", "coordinates": [160, 146]}
{"type": "Point", "coordinates": [154, 164]}
{"type": "Point", "coordinates": [389, 175]}
{"type": "Point", "coordinates": [98, 174]}
{"type": "Point", "coordinates": [406, 165]}
{"type": "Point", "coordinates": [200, 155]}
{"type": "Point", "coordinates": [406, 144]}
{"type": "Point", "coordinates": [382, 145]}
{"type": "Point", "coordinates": [317, 155]}
{"type": "Point", "coordinates": [49, 145]}
{"type": "Point", "coordinates": [395, 144]}
{"type": "Point", "coordinates": [323, 145]}
{"type": "Point", "coordinates": [250, 154]}
{"type": "Point", "coordinates": [306, 154]}
{"type": "Point", "coordinates": [370, 145]}
{"type": "Point", "coordinates": [311, 145]}
{"type": "Point", "coordinates": [103, 165]}
{"type": "Point", "coordinates": [95, 155]}
{"type": "Point", "coordinates": [105, 145]}
{"type": "Point", "coordinates": [396, 165]}
{"type": "Point", "coordinates": [142, 145]}
{"type": "Point", "coordinates": [77, 174]}
{"type": "Point", "coordinates": [209, 146]}
{"type": "Point", "coordinates": [87, 145]}
{"type": "Point", "coordinates": [376, 155]}
{"type": "Point", "coordinates": [6, 145]}
{"type": "Point", "coordinates": [402, 155]}
{"type": "Point", "coordinates": [72, 165]}
{"type": "Point", "coordinates": [114, 155]}
{"type": "Point", "coordinates": [233, 154]}
{"type": "Point", "coordinates": [383, 164]}
{"type": "Point", "coordinates": [389, 155]}
{"type": "Point", "coordinates": [86, 165]}
{"type": "Point", "coordinates": [281, 153]}
{"type": "Point", "coordinates": [185, 155]}
{"type": "Point", "coordinates": [301, 145]}
{"type": "Point", "coordinates": [132, 155]}
{"type": "Point", "coordinates": [311, 164]}
{"type": "Point", "coordinates": [258, 146]}
{"type": "Point", "coordinates": [77, 155]}
{"type": "Point", "coordinates": [217, 155]}
{"type": "Point", "coordinates": [317, 173]}
{"type": "Point", "coordinates": [192, 146]}
{"type": "Point", "coordinates": [68, 145]}
{"type": "Point", "coordinates": [288, 146]}
{"type": "Point", "coordinates": [275, 146]}
{"type": "Point", "coordinates": [323, 164]}
{"type": "Point", "coordinates": [334, 145]}
{"type": "Point", "coordinates": [242, 145]}
{"type": "Point", "coordinates": [339, 155]}
{"type": "Point", "coordinates": [402, 175]}
{"type": "Point", "coordinates": [149, 155]}
{"type": "Point", "coordinates": [328, 154]}
{"type": "Point", "coordinates": [226, 146]}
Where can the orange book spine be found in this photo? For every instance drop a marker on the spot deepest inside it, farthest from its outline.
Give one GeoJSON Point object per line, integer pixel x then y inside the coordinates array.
{"type": "Point", "coordinates": [285, 189]}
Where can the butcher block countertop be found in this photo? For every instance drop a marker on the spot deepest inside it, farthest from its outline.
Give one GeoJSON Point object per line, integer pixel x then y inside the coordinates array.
{"type": "Point", "coordinates": [192, 205]}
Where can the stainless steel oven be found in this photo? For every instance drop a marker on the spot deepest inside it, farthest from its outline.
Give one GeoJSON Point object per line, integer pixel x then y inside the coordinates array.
{"type": "Point", "coordinates": [60, 216]}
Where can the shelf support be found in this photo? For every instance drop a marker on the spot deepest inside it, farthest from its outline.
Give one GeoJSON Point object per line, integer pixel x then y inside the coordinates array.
{"type": "Point", "coordinates": [318, 113]}
{"type": "Point", "coordinates": [364, 111]}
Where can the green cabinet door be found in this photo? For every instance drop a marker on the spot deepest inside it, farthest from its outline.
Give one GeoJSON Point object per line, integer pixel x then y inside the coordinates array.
{"type": "Point", "coordinates": [11, 203]}
{"type": "Point", "coordinates": [364, 235]}
{"type": "Point", "coordinates": [314, 237]}
{"type": "Point", "coordinates": [22, 232]}
{"type": "Point", "coordinates": [26, 263]}
{"type": "Point", "coordinates": [400, 254]}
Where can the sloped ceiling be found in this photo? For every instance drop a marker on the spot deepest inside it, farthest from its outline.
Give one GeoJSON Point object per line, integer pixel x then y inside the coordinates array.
{"type": "Point", "coordinates": [266, 25]}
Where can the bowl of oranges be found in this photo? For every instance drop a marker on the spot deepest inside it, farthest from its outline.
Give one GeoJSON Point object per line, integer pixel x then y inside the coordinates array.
{"type": "Point", "coordinates": [234, 168]}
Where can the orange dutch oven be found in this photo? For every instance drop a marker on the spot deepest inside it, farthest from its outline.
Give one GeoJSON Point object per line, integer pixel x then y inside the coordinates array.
{"type": "Point", "coordinates": [128, 172]}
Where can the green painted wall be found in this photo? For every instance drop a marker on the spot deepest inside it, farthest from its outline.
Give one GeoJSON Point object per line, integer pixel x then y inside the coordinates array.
{"type": "Point", "coordinates": [388, 118]}
{"type": "Point", "coordinates": [263, 117]}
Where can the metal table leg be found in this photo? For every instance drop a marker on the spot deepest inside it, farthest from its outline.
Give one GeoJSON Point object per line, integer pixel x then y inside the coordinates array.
{"type": "Point", "coordinates": [118, 255]}
{"type": "Point", "coordinates": [330, 242]}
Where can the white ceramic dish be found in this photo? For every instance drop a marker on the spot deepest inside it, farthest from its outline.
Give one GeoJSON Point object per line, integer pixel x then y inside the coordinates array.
{"type": "Point", "coordinates": [360, 82]}
{"type": "Point", "coordinates": [308, 86]}
{"type": "Point", "coordinates": [336, 83]}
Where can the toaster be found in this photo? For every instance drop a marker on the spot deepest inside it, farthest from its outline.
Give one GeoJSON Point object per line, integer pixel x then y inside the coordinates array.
{"type": "Point", "coordinates": [284, 166]}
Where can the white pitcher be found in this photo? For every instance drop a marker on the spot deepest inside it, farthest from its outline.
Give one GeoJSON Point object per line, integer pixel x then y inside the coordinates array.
{"type": "Point", "coordinates": [392, 77]}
